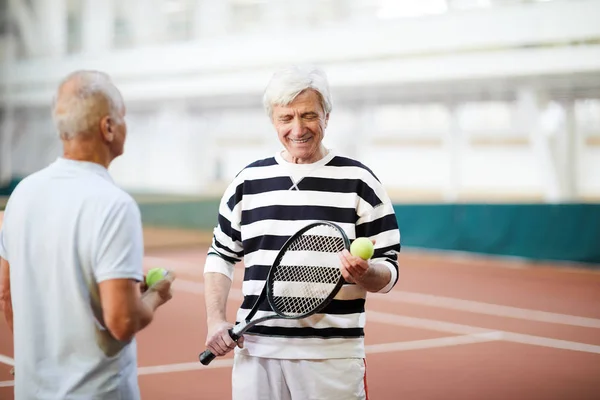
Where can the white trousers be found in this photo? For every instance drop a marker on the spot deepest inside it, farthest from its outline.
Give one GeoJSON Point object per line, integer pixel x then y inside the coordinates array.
{"type": "Point", "coordinates": [256, 378]}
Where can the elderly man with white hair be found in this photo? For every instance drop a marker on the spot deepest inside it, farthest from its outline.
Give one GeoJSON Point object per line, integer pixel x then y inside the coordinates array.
{"type": "Point", "coordinates": [71, 251]}
{"type": "Point", "coordinates": [322, 357]}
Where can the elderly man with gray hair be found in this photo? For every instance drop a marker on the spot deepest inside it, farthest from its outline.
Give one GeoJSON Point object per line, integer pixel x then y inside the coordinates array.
{"type": "Point", "coordinates": [71, 251]}
{"type": "Point", "coordinates": [322, 356]}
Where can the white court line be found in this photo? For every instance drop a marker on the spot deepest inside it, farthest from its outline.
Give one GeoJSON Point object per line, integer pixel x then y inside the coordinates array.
{"type": "Point", "coordinates": [424, 323]}
{"type": "Point", "coordinates": [7, 360]}
{"type": "Point", "coordinates": [549, 342]}
{"type": "Point", "coordinates": [371, 349]}
{"type": "Point", "coordinates": [431, 324]}
{"type": "Point", "coordinates": [468, 334]}
{"type": "Point", "coordinates": [163, 369]}
{"type": "Point", "coordinates": [488, 309]}
{"type": "Point", "coordinates": [196, 269]}
{"type": "Point", "coordinates": [433, 343]}
{"type": "Point", "coordinates": [449, 303]}
{"type": "Point", "coordinates": [440, 326]}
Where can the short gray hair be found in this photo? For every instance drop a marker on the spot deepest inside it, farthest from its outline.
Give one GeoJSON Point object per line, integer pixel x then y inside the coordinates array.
{"type": "Point", "coordinates": [289, 82]}
{"type": "Point", "coordinates": [77, 101]}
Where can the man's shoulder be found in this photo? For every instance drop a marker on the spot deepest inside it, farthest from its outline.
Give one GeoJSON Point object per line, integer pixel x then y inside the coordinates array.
{"type": "Point", "coordinates": [29, 182]}
{"type": "Point", "coordinates": [264, 162]}
{"type": "Point", "coordinates": [255, 166]}
{"type": "Point", "coordinates": [345, 161]}
{"type": "Point", "coordinates": [113, 195]}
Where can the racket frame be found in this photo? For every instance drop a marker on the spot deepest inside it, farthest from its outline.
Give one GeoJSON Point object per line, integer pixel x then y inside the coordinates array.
{"type": "Point", "coordinates": [267, 292]}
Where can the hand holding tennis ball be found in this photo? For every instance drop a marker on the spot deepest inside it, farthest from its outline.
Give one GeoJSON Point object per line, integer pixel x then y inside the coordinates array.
{"type": "Point", "coordinates": [362, 247]}
{"type": "Point", "coordinates": [154, 275]}
{"type": "Point", "coordinates": [158, 290]}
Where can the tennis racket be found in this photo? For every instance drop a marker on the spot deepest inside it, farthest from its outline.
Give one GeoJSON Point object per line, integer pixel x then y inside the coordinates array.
{"type": "Point", "coordinates": [303, 280]}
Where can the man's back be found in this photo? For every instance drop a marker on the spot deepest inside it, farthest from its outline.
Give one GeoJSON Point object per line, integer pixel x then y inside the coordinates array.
{"type": "Point", "coordinates": [62, 236]}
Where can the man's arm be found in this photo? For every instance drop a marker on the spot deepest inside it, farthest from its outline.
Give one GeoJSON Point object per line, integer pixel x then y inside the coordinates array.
{"type": "Point", "coordinates": [216, 291]}
{"type": "Point", "coordinates": [379, 223]}
{"type": "Point", "coordinates": [118, 271]}
{"type": "Point", "coordinates": [125, 310]}
{"type": "Point", "coordinates": [373, 276]}
{"type": "Point", "coordinates": [226, 250]}
{"type": "Point", "coordinates": [5, 297]}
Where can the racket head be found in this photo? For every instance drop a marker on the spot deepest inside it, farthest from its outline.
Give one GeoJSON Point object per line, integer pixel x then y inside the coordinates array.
{"type": "Point", "coordinates": [306, 274]}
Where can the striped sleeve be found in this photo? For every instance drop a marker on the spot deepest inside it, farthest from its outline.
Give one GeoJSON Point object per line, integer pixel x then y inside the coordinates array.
{"type": "Point", "coordinates": [379, 223]}
{"type": "Point", "coordinates": [226, 249]}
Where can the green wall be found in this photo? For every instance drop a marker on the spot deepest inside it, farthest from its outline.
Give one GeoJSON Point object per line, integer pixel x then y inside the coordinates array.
{"type": "Point", "coordinates": [566, 232]}
{"type": "Point", "coordinates": [561, 232]}
{"type": "Point", "coordinates": [6, 190]}
{"type": "Point", "coordinates": [553, 232]}
{"type": "Point", "coordinates": [185, 214]}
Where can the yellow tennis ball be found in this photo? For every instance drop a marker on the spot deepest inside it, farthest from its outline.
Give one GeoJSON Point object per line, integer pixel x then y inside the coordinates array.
{"type": "Point", "coordinates": [362, 247]}
{"type": "Point", "coordinates": [154, 275]}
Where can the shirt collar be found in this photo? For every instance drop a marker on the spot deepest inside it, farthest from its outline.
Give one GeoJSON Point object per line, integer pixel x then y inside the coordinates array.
{"type": "Point", "coordinates": [85, 165]}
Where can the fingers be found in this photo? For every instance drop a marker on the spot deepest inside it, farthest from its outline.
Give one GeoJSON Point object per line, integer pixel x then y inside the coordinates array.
{"type": "Point", "coordinates": [346, 274]}
{"type": "Point", "coordinates": [163, 286]}
{"type": "Point", "coordinates": [143, 284]}
{"type": "Point", "coordinates": [352, 268]}
{"type": "Point", "coordinates": [221, 343]}
{"type": "Point", "coordinates": [170, 276]}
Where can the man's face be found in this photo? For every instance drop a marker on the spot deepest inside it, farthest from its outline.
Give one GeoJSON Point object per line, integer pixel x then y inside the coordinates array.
{"type": "Point", "coordinates": [301, 127]}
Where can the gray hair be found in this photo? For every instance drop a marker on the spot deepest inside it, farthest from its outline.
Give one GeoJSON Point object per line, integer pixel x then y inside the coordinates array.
{"type": "Point", "coordinates": [82, 99]}
{"type": "Point", "coordinates": [289, 82]}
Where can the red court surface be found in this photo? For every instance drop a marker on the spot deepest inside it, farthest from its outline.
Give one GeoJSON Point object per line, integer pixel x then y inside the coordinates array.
{"type": "Point", "coordinates": [451, 329]}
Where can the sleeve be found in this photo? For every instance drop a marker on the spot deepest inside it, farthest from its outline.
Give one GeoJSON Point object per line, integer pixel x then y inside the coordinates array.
{"type": "Point", "coordinates": [120, 244]}
{"type": "Point", "coordinates": [227, 249]}
{"type": "Point", "coordinates": [379, 223]}
{"type": "Point", "coordinates": [3, 251]}
{"type": "Point", "coordinates": [2, 246]}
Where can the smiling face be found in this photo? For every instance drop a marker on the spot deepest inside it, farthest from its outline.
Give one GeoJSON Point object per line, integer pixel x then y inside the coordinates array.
{"type": "Point", "coordinates": [301, 127]}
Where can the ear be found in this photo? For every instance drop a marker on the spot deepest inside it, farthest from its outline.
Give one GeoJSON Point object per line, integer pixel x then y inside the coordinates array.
{"type": "Point", "coordinates": [326, 119]}
{"type": "Point", "coordinates": [107, 129]}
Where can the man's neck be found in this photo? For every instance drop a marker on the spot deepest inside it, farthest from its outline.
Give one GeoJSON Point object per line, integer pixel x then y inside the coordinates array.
{"type": "Point", "coordinates": [322, 153]}
{"type": "Point", "coordinates": [85, 150]}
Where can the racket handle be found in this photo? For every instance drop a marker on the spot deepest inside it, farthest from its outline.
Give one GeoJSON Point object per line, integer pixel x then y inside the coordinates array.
{"type": "Point", "coordinates": [233, 336]}
{"type": "Point", "coordinates": [207, 356]}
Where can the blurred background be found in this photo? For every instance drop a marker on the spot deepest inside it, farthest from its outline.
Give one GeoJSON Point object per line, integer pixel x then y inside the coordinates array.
{"type": "Point", "coordinates": [481, 117]}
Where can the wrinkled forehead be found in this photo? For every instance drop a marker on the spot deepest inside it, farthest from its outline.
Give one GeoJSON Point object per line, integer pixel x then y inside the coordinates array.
{"type": "Point", "coordinates": [308, 100]}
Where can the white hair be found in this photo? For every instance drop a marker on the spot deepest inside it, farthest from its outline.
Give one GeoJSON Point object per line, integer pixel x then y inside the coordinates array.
{"type": "Point", "coordinates": [289, 82]}
{"type": "Point", "coordinates": [78, 103]}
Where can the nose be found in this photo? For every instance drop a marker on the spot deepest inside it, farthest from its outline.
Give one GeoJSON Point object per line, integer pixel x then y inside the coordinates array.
{"type": "Point", "coordinates": [297, 127]}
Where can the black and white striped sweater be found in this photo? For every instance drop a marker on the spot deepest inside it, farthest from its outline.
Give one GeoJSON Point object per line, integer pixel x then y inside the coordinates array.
{"type": "Point", "coordinates": [263, 206]}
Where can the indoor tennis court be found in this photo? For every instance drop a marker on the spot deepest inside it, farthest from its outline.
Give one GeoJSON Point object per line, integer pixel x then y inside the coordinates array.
{"type": "Point", "coordinates": [454, 327]}
{"type": "Point", "coordinates": [479, 119]}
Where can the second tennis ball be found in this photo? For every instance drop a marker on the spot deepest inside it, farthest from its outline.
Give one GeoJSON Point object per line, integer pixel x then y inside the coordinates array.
{"type": "Point", "coordinates": [154, 275]}
{"type": "Point", "coordinates": [362, 247]}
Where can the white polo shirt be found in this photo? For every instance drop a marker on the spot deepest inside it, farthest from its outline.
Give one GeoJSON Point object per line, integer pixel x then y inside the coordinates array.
{"type": "Point", "coordinates": [67, 228]}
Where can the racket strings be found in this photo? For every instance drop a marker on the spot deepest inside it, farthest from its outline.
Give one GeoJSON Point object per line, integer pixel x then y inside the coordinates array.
{"type": "Point", "coordinates": [307, 274]}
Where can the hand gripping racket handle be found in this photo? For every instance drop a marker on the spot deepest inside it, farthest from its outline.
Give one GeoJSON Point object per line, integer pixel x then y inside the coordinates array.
{"type": "Point", "coordinates": [207, 356]}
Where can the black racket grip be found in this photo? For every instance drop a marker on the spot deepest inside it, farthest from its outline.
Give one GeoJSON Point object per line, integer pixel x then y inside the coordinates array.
{"type": "Point", "coordinates": [207, 356]}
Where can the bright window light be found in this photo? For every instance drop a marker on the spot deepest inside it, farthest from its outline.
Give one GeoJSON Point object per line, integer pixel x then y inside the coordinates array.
{"type": "Point", "coordinates": [389, 9]}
